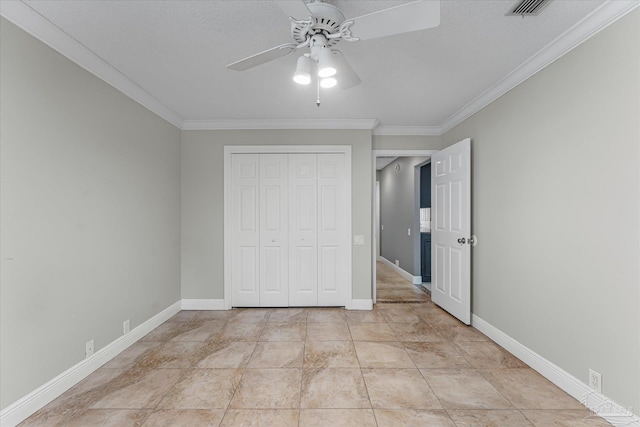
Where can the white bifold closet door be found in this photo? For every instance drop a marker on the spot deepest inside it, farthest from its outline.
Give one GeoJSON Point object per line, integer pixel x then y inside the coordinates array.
{"type": "Point", "coordinates": [289, 230]}
{"type": "Point", "coordinates": [303, 226]}
{"type": "Point", "coordinates": [274, 208]}
{"type": "Point", "coordinates": [332, 230]}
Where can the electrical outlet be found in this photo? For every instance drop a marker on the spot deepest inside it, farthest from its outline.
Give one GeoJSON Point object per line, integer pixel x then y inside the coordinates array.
{"type": "Point", "coordinates": [595, 380]}
{"type": "Point", "coordinates": [408, 232]}
{"type": "Point", "coordinates": [88, 349]}
{"type": "Point", "coordinates": [126, 327]}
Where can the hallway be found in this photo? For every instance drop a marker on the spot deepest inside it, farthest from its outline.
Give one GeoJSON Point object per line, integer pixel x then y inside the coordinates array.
{"type": "Point", "coordinates": [393, 288]}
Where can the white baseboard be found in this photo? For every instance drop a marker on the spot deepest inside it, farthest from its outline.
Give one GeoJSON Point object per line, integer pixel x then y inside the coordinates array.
{"type": "Point", "coordinates": [361, 304]}
{"type": "Point", "coordinates": [203, 304]}
{"type": "Point", "coordinates": [596, 402]}
{"type": "Point", "coordinates": [40, 397]}
{"type": "Point", "coordinates": [218, 304]}
{"type": "Point", "coordinates": [416, 280]}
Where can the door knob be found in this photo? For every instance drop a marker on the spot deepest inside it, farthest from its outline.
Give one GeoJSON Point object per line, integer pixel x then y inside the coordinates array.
{"type": "Point", "coordinates": [473, 240]}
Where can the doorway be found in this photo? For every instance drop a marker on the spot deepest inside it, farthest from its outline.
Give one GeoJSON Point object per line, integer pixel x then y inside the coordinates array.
{"type": "Point", "coordinates": [395, 269]}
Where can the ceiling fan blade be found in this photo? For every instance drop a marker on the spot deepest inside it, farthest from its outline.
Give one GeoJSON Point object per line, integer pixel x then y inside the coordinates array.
{"type": "Point", "coordinates": [418, 15]}
{"type": "Point", "coordinates": [347, 77]}
{"type": "Point", "coordinates": [296, 9]}
{"type": "Point", "coordinates": [263, 57]}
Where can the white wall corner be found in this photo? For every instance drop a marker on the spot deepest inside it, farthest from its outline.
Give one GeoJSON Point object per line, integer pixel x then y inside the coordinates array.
{"type": "Point", "coordinates": [203, 304]}
{"type": "Point", "coordinates": [361, 304]}
{"type": "Point", "coordinates": [417, 280]}
{"type": "Point", "coordinates": [23, 408]}
{"type": "Point", "coordinates": [596, 402]}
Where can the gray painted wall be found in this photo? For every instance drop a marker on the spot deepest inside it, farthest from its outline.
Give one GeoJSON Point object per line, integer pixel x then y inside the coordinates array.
{"type": "Point", "coordinates": [398, 213]}
{"type": "Point", "coordinates": [203, 195]}
{"type": "Point", "coordinates": [89, 212]}
{"type": "Point", "coordinates": [408, 142]}
{"type": "Point", "coordinates": [556, 196]}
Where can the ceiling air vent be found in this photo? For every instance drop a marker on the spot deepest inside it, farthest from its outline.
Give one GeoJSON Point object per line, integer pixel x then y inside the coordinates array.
{"type": "Point", "coordinates": [528, 7]}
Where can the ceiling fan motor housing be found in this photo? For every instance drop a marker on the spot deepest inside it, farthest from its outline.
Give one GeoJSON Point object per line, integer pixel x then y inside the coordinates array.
{"type": "Point", "coordinates": [326, 20]}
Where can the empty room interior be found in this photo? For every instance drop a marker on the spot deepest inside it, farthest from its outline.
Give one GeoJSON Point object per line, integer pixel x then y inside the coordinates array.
{"type": "Point", "coordinates": [196, 229]}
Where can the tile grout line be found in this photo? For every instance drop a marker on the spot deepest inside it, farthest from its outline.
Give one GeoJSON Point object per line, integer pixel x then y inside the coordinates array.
{"type": "Point", "coordinates": [304, 351]}
{"type": "Point", "coordinates": [244, 370]}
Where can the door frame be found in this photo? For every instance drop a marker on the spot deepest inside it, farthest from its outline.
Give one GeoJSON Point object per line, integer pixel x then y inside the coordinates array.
{"type": "Point", "coordinates": [283, 149]}
{"type": "Point", "coordinates": [374, 155]}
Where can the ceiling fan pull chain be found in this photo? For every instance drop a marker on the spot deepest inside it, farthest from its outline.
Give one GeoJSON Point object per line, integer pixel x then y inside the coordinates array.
{"type": "Point", "coordinates": [318, 98]}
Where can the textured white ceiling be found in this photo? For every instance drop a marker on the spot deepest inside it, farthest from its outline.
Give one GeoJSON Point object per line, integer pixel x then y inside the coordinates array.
{"type": "Point", "coordinates": [177, 51]}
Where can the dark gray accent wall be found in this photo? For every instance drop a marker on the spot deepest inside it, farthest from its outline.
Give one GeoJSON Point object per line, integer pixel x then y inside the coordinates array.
{"type": "Point", "coordinates": [425, 186]}
{"type": "Point", "coordinates": [399, 202]}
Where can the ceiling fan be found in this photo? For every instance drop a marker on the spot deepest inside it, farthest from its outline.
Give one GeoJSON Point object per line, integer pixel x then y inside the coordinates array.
{"type": "Point", "coordinates": [319, 26]}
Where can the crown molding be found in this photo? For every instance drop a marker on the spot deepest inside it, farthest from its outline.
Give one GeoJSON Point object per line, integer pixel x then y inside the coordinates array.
{"type": "Point", "coordinates": [262, 124]}
{"type": "Point", "coordinates": [408, 130]}
{"type": "Point", "coordinates": [32, 22]}
{"type": "Point", "coordinates": [596, 21]}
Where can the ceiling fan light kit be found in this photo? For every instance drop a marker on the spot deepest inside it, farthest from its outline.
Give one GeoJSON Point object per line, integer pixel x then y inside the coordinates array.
{"type": "Point", "coordinates": [303, 71]}
{"type": "Point", "coordinates": [323, 56]}
{"type": "Point", "coordinates": [326, 68]}
{"type": "Point", "coordinates": [328, 82]}
{"type": "Point", "coordinates": [319, 26]}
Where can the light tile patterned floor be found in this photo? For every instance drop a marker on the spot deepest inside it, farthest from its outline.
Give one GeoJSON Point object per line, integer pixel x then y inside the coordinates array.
{"type": "Point", "coordinates": [398, 365]}
{"type": "Point", "coordinates": [391, 287]}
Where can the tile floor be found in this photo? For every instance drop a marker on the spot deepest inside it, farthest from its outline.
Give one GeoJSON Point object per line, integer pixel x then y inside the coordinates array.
{"type": "Point", "coordinates": [398, 365]}
{"type": "Point", "coordinates": [391, 287]}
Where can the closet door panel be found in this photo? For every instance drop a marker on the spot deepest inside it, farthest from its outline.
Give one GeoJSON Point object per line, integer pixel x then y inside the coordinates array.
{"type": "Point", "coordinates": [332, 230]}
{"type": "Point", "coordinates": [303, 225]}
{"type": "Point", "coordinates": [274, 219]}
{"type": "Point", "coordinates": [245, 233]}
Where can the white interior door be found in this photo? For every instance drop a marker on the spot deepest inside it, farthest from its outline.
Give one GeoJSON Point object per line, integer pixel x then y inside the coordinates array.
{"type": "Point", "coordinates": [333, 236]}
{"type": "Point", "coordinates": [274, 222]}
{"type": "Point", "coordinates": [451, 229]}
{"type": "Point", "coordinates": [303, 230]}
{"type": "Point", "coordinates": [245, 232]}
